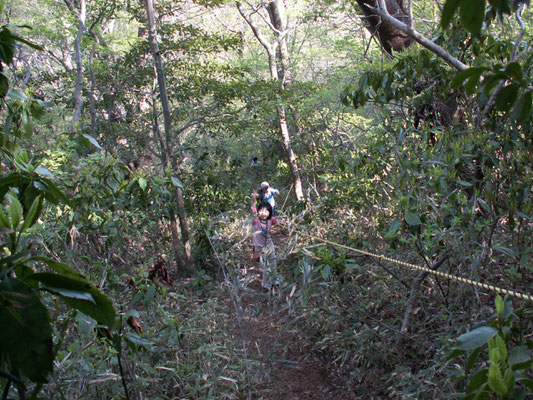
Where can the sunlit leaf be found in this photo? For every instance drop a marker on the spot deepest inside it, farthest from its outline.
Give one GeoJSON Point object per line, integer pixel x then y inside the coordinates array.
{"type": "Point", "coordinates": [475, 338]}
{"type": "Point", "coordinates": [92, 141]}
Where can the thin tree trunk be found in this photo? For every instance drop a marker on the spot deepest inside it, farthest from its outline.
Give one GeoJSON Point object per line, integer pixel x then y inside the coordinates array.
{"type": "Point", "coordinates": [277, 20]}
{"type": "Point", "coordinates": [167, 123]}
{"type": "Point", "coordinates": [78, 102]}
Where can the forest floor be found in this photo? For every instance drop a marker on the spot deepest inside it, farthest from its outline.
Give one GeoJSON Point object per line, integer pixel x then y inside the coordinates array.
{"type": "Point", "coordinates": [280, 358]}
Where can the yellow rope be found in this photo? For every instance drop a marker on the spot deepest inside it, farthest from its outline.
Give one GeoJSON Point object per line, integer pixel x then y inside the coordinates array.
{"type": "Point", "coordinates": [486, 286]}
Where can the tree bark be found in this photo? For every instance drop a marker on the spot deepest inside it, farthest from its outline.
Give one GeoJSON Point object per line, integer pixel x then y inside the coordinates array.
{"type": "Point", "coordinates": [169, 160]}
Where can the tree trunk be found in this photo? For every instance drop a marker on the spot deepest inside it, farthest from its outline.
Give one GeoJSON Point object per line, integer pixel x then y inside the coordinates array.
{"type": "Point", "coordinates": [167, 150]}
{"type": "Point", "coordinates": [78, 102]}
{"type": "Point", "coordinates": [275, 10]}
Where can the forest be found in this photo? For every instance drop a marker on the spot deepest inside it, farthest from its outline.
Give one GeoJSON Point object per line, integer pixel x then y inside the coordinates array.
{"type": "Point", "coordinates": [277, 200]}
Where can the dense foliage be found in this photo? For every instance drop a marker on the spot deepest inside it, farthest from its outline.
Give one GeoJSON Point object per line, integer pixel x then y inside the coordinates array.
{"type": "Point", "coordinates": [405, 155]}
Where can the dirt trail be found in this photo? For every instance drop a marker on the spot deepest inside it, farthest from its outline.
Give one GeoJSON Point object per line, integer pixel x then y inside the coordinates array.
{"type": "Point", "coordinates": [282, 362]}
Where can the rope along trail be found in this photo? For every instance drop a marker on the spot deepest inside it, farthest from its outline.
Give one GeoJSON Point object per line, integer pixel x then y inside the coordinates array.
{"type": "Point", "coordinates": [471, 282]}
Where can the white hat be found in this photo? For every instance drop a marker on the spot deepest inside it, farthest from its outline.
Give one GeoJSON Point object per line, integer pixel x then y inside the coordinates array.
{"type": "Point", "coordinates": [264, 185]}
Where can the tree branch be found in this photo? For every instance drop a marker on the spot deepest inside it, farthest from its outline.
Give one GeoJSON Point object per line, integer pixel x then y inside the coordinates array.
{"type": "Point", "coordinates": [422, 40]}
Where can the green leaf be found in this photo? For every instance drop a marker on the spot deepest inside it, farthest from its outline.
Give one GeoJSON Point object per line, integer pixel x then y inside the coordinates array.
{"type": "Point", "coordinates": [101, 309]}
{"type": "Point", "coordinates": [135, 339]}
{"type": "Point", "coordinates": [495, 380]}
{"type": "Point", "coordinates": [475, 338]}
{"type": "Point", "coordinates": [44, 173]}
{"type": "Point", "coordinates": [63, 286]}
{"type": "Point", "coordinates": [449, 9]}
{"type": "Point", "coordinates": [522, 108]}
{"type": "Point", "coordinates": [514, 71]}
{"type": "Point", "coordinates": [16, 94]}
{"type": "Point", "coordinates": [464, 183]}
{"type": "Point", "coordinates": [471, 360]}
{"type": "Point", "coordinates": [472, 13]}
{"type": "Point", "coordinates": [176, 182]}
{"type": "Point", "coordinates": [506, 98]}
{"type": "Point", "coordinates": [7, 48]}
{"type": "Point", "coordinates": [478, 380]}
{"type": "Point", "coordinates": [412, 218]}
{"type": "Point", "coordinates": [92, 141]}
{"type": "Point", "coordinates": [4, 84]}
{"type": "Point", "coordinates": [14, 210]}
{"type": "Point", "coordinates": [519, 357]}
{"type": "Point", "coordinates": [393, 228]}
{"type": "Point", "coordinates": [27, 42]}
{"type": "Point", "coordinates": [143, 183]}
{"type": "Point", "coordinates": [26, 334]}
{"type": "Point", "coordinates": [472, 74]}
{"type": "Point", "coordinates": [33, 214]}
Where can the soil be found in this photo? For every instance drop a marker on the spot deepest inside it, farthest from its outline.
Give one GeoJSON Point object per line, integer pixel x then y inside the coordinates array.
{"type": "Point", "coordinates": [282, 362]}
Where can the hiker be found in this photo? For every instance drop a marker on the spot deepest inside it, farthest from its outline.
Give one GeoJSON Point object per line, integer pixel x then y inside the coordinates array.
{"type": "Point", "coordinates": [262, 240]}
{"type": "Point", "coordinates": [266, 194]}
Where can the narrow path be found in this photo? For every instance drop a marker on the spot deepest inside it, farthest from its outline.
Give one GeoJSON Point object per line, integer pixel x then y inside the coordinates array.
{"type": "Point", "coordinates": [282, 363]}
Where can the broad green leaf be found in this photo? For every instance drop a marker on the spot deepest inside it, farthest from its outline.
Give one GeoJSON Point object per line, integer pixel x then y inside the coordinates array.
{"type": "Point", "coordinates": [475, 338]}
{"type": "Point", "coordinates": [472, 13]}
{"type": "Point", "coordinates": [92, 140]}
{"type": "Point", "coordinates": [101, 310]}
{"type": "Point", "coordinates": [45, 104]}
{"type": "Point", "coordinates": [449, 9]}
{"type": "Point", "coordinates": [519, 357]}
{"type": "Point", "coordinates": [470, 74]}
{"type": "Point", "coordinates": [143, 183]}
{"type": "Point", "coordinates": [522, 108]}
{"type": "Point", "coordinates": [412, 218]}
{"type": "Point", "coordinates": [514, 71]}
{"type": "Point", "coordinates": [506, 98]}
{"type": "Point", "coordinates": [63, 286]}
{"type": "Point", "coordinates": [44, 173]}
{"type": "Point", "coordinates": [135, 339]}
{"type": "Point", "coordinates": [26, 335]}
{"type": "Point", "coordinates": [17, 94]}
{"type": "Point", "coordinates": [7, 48]}
{"type": "Point", "coordinates": [176, 182]}
{"type": "Point", "coordinates": [60, 268]}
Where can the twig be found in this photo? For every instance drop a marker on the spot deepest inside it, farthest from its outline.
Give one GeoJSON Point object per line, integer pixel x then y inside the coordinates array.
{"type": "Point", "coordinates": [416, 284]}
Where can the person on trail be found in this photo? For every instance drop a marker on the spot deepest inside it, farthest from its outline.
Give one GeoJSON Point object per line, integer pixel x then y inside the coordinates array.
{"type": "Point", "coordinates": [262, 240]}
{"type": "Point", "coordinates": [266, 194]}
